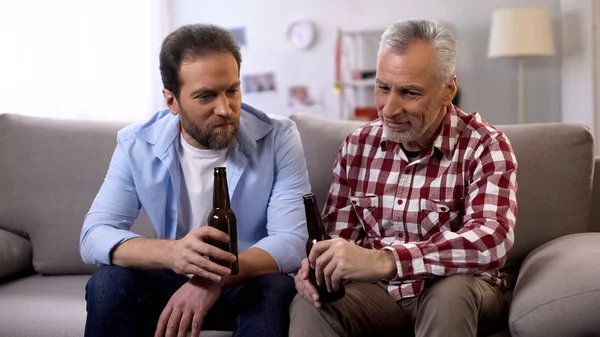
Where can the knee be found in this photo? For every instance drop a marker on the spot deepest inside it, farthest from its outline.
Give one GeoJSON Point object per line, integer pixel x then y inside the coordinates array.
{"type": "Point", "coordinates": [108, 285]}
{"type": "Point", "coordinates": [303, 317]}
{"type": "Point", "coordinates": [301, 308]}
{"type": "Point", "coordinates": [272, 288]}
{"type": "Point", "coordinates": [454, 290]}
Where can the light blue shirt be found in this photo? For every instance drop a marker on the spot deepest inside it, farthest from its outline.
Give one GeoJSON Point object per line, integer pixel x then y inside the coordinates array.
{"type": "Point", "coordinates": [266, 174]}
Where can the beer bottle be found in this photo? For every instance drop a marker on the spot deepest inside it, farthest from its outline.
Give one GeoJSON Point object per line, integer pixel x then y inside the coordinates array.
{"type": "Point", "coordinates": [222, 218]}
{"type": "Point", "coordinates": [316, 233]}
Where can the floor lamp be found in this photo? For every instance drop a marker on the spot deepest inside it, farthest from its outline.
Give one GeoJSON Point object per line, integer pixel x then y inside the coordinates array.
{"type": "Point", "coordinates": [519, 33]}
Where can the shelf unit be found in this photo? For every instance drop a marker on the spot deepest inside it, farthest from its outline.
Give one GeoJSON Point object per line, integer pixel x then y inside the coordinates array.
{"type": "Point", "coordinates": [359, 56]}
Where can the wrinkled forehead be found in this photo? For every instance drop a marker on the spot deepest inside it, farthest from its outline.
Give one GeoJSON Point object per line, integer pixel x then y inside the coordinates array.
{"type": "Point", "coordinates": [418, 63]}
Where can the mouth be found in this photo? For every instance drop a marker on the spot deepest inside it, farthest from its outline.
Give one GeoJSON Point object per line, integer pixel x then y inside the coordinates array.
{"type": "Point", "coordinates": [397, 126]}
{"type": "Point", "coordinates": [222, 125]}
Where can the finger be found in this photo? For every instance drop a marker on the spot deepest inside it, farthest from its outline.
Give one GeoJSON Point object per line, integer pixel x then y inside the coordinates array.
{"type": "Point", "coordinates": [317, 250]}
{"type": "Point", "coordinates": [298, 283]}
{"type": "Point", "coordinates": [304, 269]}
{"type": "Point", "coordinates": [320, 264]}
{"type": "Point", "coordinates": [173, 324]}
{"type": "Point", "coordinates": [203, 248]}
{"type": "Point", "coordinates": [208, 265]}
{"type": "Point", "coordinates": [301, 290]}
{"type": "Point", "coordinates": [311, 291]}
{"type": "Point", "coordinates": [197, 324]}
{"type": "Point", "coordinates": [205, 232]}
{"type": "Point", "coordinates": [184, 324]}
{"type": "Point", "coordinates": [327, 272]}
{"type": "Point", "coordinates": [197, 271]}
{"type": "Point", "coordinates": [336, 279]}
{"type": "Point", "coordinates": [162, 321]}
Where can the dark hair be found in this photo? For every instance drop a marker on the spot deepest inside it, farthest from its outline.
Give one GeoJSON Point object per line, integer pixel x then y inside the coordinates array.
{"type": "Point", "coordinates": [189, 42]}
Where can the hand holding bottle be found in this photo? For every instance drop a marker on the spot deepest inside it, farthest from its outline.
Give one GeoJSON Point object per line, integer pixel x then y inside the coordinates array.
{"type": "Point", "coordinates": [189, 254]}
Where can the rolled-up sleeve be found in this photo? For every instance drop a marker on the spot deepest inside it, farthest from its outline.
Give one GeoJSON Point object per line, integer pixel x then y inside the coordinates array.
{"type": "Point", "coordinates": [116, 206]}
{"type": "Point", "coordinates": [286, 220]}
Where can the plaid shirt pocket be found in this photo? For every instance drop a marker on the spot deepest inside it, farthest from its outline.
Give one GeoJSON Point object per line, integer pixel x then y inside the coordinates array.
{"type": "Point", "coordinates": [368, 212]}
{"type": "Point", "coordinates": [439, 216]}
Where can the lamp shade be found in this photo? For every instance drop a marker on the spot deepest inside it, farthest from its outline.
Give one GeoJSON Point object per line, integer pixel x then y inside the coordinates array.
{"type": "Point", "coordinates": [521, 32]}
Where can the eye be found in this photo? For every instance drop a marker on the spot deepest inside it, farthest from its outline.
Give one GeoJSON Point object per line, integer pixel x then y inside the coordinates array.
{"type": "Point", "coordinates": [411, 94]}
{"type": "Point", "coordinates": [383, 88]}
{"type": "Point", "coordinates": [203, 98]}
{"type": "Point", "coordinates": [233, 90]}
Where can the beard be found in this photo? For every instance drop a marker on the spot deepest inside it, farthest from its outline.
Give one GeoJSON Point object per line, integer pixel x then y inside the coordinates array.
{"type": "Point", "coordinates": [405, 136]}
{"type": "Point", "coordinates": [211, 136]}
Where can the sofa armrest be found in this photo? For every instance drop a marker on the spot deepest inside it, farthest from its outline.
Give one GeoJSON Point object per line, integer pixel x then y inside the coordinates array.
{"type": "Point", "coordinates": [557, 291]}
{"type": "Point", "coordinates": [15, 254]}
{"type": "Point", "coordinates": [595, 210]}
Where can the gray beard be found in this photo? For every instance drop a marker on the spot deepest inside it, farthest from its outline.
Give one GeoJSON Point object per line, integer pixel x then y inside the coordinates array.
{"type": "Point", "coordinates": [400, 137]}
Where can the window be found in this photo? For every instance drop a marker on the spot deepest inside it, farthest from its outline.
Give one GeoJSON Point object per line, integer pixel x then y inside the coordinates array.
{"type": "Point", "coordinates": [81, 59]}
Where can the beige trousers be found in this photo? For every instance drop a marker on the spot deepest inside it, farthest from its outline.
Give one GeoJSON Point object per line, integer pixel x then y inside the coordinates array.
{"type": "Point", "coordinates": [459, 305]}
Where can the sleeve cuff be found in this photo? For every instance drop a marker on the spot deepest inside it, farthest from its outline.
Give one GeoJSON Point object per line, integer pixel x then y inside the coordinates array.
{"type": "Point", "coordinates": [101, 241]}
{"type": "Point", "coordinates": [409, 261]}
{"type": "Point", "coordinates": [287, 251]}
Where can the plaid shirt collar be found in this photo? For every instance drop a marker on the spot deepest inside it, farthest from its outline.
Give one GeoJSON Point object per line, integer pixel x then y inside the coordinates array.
{"type": "Point", "coordinates": [447, 134]}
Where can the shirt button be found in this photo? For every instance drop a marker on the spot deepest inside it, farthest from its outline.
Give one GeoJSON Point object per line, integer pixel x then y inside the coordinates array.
{"type": "Point", "coordinates": [399, 201]}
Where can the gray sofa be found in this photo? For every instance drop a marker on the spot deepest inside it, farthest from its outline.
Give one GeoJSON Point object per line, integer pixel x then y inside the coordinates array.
{"type": "Point", "coordinates": [51, 170]}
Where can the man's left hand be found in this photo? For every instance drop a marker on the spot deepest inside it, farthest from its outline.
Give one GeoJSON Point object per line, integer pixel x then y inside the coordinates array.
{"type": "Point", "coordinates": [337, 259]}
{"type": "Point", "coordinates": [187, 308]}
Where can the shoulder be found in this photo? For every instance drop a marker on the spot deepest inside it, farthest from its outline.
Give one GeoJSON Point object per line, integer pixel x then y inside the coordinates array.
{"type": "Point", "coordinates": [478, 131]}
{"type": "Point", "coordinates": [366, 136]}
{"type": "Point", "coordinates": [261, 124]}
{"type": "Point", "coordinates": [487, 142]}
{"type": "Point", "coordinates": [148, 130]}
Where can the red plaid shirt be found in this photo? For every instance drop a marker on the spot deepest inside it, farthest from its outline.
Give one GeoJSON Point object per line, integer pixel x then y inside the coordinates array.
{"type": "Point", "coordinates": [452, 210]}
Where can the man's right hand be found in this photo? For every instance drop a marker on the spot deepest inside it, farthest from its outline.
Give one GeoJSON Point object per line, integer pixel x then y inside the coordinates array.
{"type": "Point", "coordinates": [305, 288]}
{"type": "Point", "coordinates": [189, 254]}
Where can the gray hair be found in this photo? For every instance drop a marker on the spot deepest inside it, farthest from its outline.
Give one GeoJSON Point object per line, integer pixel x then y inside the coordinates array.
{"type": "Point", "coordinates": [402, 34]}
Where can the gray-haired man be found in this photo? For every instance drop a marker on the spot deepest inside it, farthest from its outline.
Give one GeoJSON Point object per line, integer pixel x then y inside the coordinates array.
{"type": "Point", "coordinates": [422, 207]}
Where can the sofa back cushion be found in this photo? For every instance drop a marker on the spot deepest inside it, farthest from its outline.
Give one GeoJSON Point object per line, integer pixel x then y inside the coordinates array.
{"type": "Point", "coordinates": [51, 171]}
{"type": "Point", "coordinates": [554, 175]}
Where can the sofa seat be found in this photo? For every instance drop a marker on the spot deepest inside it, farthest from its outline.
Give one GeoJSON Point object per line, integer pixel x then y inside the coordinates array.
{"type": "Point", "coordinates": [49, 306]}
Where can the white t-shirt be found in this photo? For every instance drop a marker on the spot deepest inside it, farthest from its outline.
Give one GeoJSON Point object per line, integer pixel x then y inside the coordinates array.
{"type": "Point", "coordinates": [197, 179]}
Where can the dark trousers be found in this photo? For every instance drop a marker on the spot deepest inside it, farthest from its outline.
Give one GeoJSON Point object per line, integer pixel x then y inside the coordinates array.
{"type": "Point", "coordinates": [128, 302]}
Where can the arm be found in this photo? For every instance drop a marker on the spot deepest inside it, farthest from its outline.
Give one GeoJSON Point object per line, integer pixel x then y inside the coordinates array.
{"type": "Point", "coordinates": [116, 206]}
{"type": "Point", "coordinates": [339, 217]}
{"type": "Point", "coordinates": [106, 238]}
{"type": "Point", "coordinates": [487, 233]}
{"type": "Point", "coordinates": [143, 253]}
{"type": "Point", "coordinates": [286, 223]}
{"type": "Point", "coordinates": [252, 262]}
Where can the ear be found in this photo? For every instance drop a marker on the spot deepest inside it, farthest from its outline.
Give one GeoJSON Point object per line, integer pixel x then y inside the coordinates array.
{"type": "Point", "coordinates": [450, 91]}
{"type": "Point", "coordinates": [171, 101]}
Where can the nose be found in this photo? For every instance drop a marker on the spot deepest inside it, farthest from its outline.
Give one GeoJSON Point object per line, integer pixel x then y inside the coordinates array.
{"type": "Point", "coordinates": [222, 107]}
{"type": "Point", "coordinates": [393, 106]}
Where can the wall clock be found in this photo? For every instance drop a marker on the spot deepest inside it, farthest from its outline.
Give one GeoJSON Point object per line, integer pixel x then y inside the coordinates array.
{"type": "Point", "coordinates": [302, 34]}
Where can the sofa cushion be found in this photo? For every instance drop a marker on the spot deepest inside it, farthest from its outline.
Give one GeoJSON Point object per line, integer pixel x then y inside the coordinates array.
{"type": "Point", "coordinates": [558, 292]}
{"type": "Point", "coordinates": [49, 306]}
{"type": "Point", "coordinates": [321, 140]}
{"type": "Point", "coordinates": [51, 172]}
{"type": "Point", "coordinates": [52, 306]}
{"type": "Point", "coordinates": [555, 182]}
{"type": "Point", "coordinates": [15, 254]}
{"type": "Point", "coordinates": [554, 175]}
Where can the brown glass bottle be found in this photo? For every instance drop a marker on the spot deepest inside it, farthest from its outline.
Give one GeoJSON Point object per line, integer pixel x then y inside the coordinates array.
{"type": "Point", "coordinates": [222, 218]}
{"type": "Point", "coordinates": [316, 233]}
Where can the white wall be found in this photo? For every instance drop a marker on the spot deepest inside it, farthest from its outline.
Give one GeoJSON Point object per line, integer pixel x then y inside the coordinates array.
{"type": "Point", "coordinates": [578, 62]}
{"type": "Point", "coordinates": [489, 86]}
